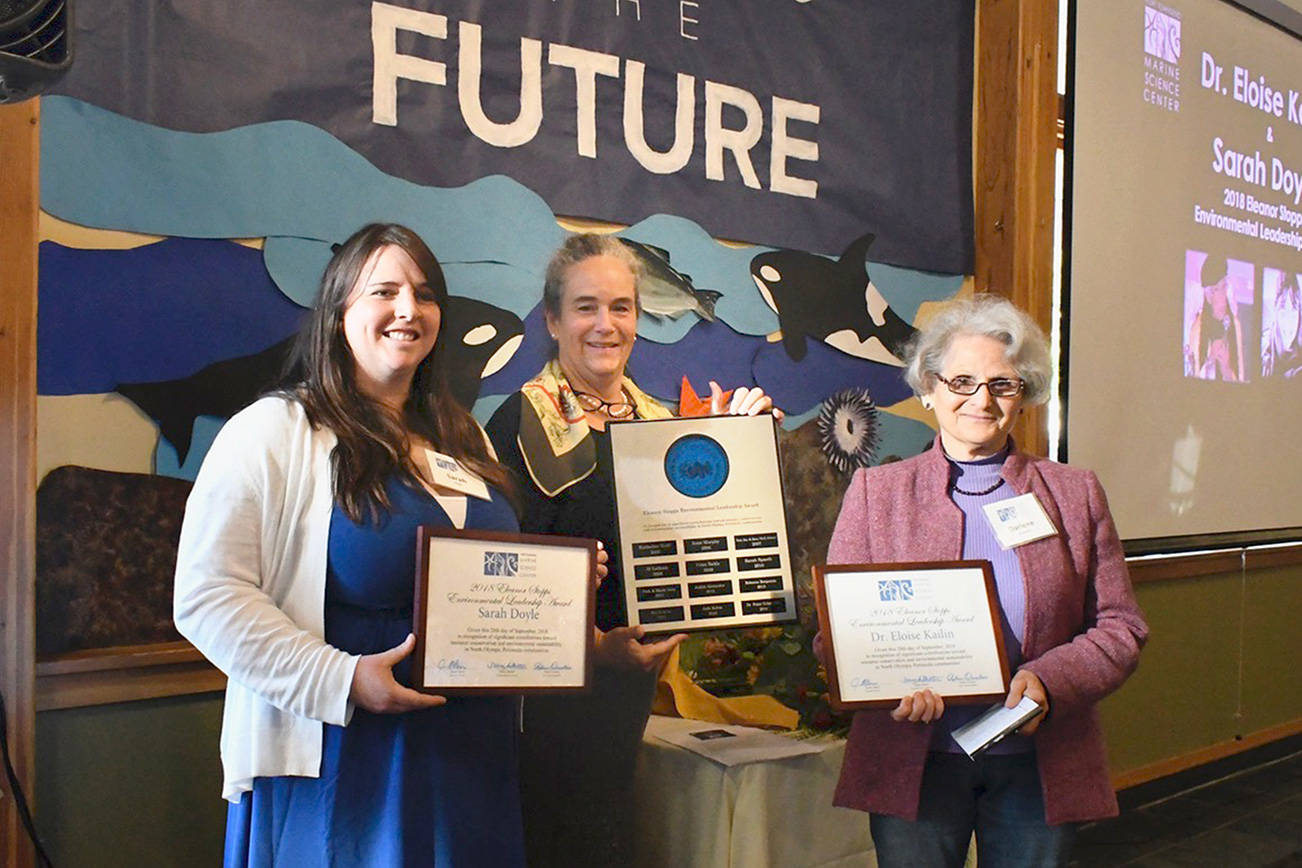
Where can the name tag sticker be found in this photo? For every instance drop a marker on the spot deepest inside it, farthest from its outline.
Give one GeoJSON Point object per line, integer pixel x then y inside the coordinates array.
{"type": "Point", "coordinates": [1018, 520]}
{"type": "Point", "coordinates": [447, 472]}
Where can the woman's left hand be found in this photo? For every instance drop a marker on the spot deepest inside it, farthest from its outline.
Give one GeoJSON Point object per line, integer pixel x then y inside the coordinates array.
{"type": "Point", "coordinates": [603, 557]}
{"type": "Point", "coordinates": [745, 402]}
{"type": "Point", "coordinates": [1027, 683]}
{"type": "Point", "coordinates": [623, 647]}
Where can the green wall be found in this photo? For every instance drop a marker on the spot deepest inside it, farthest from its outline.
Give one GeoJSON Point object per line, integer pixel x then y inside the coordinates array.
{"type": "Point", "coordinates": [139, 783]}
{"type": "Point", "coordinates": [1221, 664]}
{"type": "Point", "coordinates": [132, 784]}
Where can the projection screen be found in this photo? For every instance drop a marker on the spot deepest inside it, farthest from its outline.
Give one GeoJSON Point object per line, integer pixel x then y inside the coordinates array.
{"type": "Point", "coordinates": [1183, 267]}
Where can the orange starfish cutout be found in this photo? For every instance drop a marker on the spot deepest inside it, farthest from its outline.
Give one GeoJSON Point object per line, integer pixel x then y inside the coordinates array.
{"type": "Point", "coordinates": [691, 404]}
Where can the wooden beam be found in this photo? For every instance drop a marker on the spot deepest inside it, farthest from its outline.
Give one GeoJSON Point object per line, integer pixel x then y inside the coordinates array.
{"type": "Point", "coordinates": [1203, 755]}
{"type": "Point", "coordinates": [1179, 567]}
{"type": "Point", "coordinates": [1189, 566]}
{"type": "Point", "coordinates": [124, 674]}
{"type": "Point", "coordinates": [19, 205]}
{"type": "Point", "coordinates": [1016, 131]}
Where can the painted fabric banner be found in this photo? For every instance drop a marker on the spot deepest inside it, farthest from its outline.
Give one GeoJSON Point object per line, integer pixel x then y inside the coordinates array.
{"type": "Point", "coordinates": [202, 158]}
{"type": "Point", "coordinates": [798, 123]}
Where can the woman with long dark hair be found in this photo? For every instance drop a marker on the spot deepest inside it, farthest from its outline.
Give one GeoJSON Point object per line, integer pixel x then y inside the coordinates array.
{"type": "Point", "coordinates": [295, 577]}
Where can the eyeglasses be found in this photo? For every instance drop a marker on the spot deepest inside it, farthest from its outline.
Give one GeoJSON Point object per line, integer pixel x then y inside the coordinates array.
{"type": "Point", "coordinates": [1000, 387]}
{"type": "Point", "coordinates": [613, 409]}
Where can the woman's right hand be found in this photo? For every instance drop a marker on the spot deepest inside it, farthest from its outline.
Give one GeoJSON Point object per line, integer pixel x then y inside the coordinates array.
{"type": "Point", "coordinates": [745, 402]}
{"type": "Point", "coordinates": [622, 647]}
{"type": "Point", "coordinates": [923, 706]}
{"type": "Point", "coordinates": [375, 689]}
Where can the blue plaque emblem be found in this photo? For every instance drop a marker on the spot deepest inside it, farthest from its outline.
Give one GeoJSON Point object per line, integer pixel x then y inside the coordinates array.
{"type": "Point", "coordinates": [696, 465]}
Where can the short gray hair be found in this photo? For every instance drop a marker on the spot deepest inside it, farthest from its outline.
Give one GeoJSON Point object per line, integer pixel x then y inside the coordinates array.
{"type": "Point", "coordinates": [577, 248]}
{"type": "Point", "coordinates": [990, 316]}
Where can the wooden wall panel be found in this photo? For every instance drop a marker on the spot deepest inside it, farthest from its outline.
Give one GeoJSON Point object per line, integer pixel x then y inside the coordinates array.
{"type": "Point", "coordinates": [1016, 140]}
{"type": "Point", "coordinates": [1209, 681]}
{"type": "Point", "coordinates": [19, 126]}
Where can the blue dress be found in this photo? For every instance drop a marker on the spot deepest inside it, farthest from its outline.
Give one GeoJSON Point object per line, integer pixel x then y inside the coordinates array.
{"type": "Point", "coordinates": [438, 787]}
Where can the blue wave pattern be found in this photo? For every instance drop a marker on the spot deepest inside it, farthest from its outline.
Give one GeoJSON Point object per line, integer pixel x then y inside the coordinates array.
{"type": "Point", "coordinates": [169, 309]}
{"type": "Point", "coordinates": [277, 179]}
{"type": "Point", "coordinates": [156, 312]}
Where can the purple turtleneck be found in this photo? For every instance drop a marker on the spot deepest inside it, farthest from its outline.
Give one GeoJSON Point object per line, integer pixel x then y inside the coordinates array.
{"type": "Point", "coordinates": [974, 484]}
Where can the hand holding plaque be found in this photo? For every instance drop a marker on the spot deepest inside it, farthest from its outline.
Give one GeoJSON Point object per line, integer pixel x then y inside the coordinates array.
{"type": "Point", "coordinates": [892, 630]}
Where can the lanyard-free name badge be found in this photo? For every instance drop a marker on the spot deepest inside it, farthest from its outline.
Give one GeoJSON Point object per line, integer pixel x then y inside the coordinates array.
{"type": "Point", "coordinates": [447, 472]}
{"type": "Point", "coordinates": [1018, 520]}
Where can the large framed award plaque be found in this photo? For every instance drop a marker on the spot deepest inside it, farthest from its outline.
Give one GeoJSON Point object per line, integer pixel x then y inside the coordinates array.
{"type": "Point", "coordinates": [503, 613]}
{"type": "Point", "coordinates": [702, 523]}
{"type": "Point", "coordinates": [893, 629]}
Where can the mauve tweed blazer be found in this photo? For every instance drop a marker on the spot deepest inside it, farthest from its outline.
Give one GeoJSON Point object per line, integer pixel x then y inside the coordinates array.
{"type": "Point", "coordinates": [1082, 634]}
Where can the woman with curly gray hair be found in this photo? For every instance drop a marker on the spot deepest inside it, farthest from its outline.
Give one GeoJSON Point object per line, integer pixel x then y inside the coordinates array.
{"type": "Point", "coordinates": [1071, 624]}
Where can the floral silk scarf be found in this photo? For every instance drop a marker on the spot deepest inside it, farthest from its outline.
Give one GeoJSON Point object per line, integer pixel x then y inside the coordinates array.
{"type": "Point", "coordinates": [554, 437]}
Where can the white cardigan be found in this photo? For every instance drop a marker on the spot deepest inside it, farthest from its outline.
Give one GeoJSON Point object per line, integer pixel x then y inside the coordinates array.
{"type": "Point", "coordinates": [250, 591]}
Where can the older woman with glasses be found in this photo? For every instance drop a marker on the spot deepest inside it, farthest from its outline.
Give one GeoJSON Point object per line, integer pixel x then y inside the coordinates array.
{"type": "Point", "coordinates": [1072, 627]}
{"type": "Point", "coordinates": [578, 753]}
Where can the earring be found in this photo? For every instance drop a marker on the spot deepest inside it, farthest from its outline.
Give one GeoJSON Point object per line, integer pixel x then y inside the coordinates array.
{"type": "Point", "coordinates": [926, 405]}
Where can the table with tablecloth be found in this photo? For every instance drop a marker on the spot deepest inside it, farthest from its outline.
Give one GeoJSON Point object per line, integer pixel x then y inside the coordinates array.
{"type": "Point", "coordinates": [695, 813]}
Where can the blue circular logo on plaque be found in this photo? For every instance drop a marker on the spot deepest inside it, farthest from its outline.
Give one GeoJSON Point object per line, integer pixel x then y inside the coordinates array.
{"type": "Point", "coordinates": [696, 465]}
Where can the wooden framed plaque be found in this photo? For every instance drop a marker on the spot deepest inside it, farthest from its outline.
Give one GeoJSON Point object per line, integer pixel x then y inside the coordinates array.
{"type": "Point", "coordinates": [893, 629]}
{"type": "Point", "coordinates": [503, 613]}
{"type": "Point", "coordinates": [702, 523]}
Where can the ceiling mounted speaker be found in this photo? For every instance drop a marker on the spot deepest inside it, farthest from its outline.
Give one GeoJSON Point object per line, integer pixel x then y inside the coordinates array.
{"type": "Point", "coordinates": [35, 46]}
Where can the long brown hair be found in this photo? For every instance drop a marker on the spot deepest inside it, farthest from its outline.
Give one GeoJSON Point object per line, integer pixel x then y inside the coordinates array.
{"type": "Point", "coordinates": [374, 443]}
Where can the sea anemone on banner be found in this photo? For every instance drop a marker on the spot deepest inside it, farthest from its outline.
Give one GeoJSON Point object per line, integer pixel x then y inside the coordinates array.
{"type": "Point", "coordinates": [847, 428]}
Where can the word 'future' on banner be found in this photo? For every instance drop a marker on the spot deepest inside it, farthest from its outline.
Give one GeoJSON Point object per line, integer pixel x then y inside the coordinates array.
{"type": "Point", "coordinates": [390, 66]}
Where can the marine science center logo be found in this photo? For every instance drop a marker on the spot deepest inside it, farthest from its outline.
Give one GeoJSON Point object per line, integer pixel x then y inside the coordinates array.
{"type": "Point", "coordinates": [894, 590]}
{"type": "Point", "coordinates": [1162, 34]}
{"type": "Point", "coordinates": [501, 563]}
{"type": "Point", "coordinates": [696, 465]}
{"type": "Point", "coordinates": [1162, 57]}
